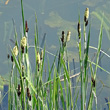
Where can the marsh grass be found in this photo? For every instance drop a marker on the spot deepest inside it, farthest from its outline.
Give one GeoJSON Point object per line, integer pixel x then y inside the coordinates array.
{"type": "Point", "coordinates": [29, 91]}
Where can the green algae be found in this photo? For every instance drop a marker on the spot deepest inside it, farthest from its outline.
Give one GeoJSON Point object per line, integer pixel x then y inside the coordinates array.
{"type": "Point", "coordinates": [56, 21]}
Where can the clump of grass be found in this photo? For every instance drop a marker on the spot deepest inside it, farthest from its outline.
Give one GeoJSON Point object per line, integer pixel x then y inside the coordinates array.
{"type": "Point", "coordinates": [84, 64]}
{"type": "Point", "coordinates": [27, 89]}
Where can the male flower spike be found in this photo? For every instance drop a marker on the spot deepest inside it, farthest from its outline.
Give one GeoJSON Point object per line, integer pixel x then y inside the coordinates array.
{"type": "Point", "coordinates": [15, 50]}
{"type": "Point", "coordinates": [23, 42]}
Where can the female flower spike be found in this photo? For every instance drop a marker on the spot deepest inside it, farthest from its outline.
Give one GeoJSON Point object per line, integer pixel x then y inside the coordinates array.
{"type": "Point", "coordinates": [15, 51]}
{"type": "Point", "coordinates": [41, 55]}
{"type": "Point", "coordinates": [79, 29]}
{"type": "Point", "coordinates": [26, 26]}
{"type": "Point", "coordinates": [23, 42]}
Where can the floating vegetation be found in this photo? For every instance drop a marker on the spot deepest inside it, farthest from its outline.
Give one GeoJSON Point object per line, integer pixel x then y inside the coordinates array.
{"type": "Point", "coordinates": [91, 3]}
{"type": "Point", "coordinates": [56, 21]}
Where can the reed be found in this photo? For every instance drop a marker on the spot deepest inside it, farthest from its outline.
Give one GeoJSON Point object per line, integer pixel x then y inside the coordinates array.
{"type": "Point", "coordinates": [27, 88]}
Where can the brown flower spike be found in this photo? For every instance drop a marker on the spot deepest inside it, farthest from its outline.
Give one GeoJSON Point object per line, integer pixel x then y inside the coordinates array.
{"type": "Point", "coordinates": [79, 29]}
{"type": "Point", "coordinates": [26, 26]}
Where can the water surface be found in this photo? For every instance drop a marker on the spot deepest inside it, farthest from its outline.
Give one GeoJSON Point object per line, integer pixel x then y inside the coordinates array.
{"type": "Point", "coordinates": [55, 16]}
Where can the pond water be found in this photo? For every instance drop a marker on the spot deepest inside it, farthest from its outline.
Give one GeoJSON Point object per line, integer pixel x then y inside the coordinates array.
{"type": "Point", "coordinates": [55, 16]}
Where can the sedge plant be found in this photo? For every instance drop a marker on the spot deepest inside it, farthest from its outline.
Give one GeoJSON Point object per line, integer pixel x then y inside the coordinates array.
{"type": "Point", "coordinates": [29, 91]}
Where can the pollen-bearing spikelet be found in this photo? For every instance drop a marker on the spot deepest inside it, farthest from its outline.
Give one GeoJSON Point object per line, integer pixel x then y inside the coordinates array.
{"type": "Point", "coordinates": [15, 50]}
{"type": "Point", "coordinates": [86, 15]}
{"type": "Point", "coordinates": [68, 36]}
{"type": "Point", "coordinates": [23, 42]}
{"type": "Point", "coordinates": [38, 58]}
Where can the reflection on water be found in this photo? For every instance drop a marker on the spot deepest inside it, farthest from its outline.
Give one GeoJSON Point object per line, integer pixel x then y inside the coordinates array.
{"type": "Point", "coordinates": [93, 3]}
{"type": "Point", "coordinates": [53, 18]}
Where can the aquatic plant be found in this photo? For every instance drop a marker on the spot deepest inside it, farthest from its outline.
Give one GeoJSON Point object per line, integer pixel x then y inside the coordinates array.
{"type": "Point", "coordinates": [29, 90]}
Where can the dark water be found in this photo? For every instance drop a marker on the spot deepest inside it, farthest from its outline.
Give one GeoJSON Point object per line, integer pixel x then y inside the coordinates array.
{"type": "Point", "coordinates": [53, 17]}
